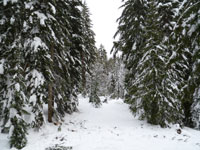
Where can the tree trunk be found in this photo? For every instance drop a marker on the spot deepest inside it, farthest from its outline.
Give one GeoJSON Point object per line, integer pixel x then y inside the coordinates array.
{"type": "Point", "coordinates": [50, 103]}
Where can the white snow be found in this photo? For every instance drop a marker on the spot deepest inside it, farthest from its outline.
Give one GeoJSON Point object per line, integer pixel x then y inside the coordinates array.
{"type": "Point", "coordinates": [2, 21]}
{"type": "Point", "coordinates": [6, 1]}
{"type": "Point", "coordinates": [111, 127]}
{"type": "Point", "coordinates": [134, 46]}
{"type": "Point", "coordinates": [192, 29]}
{"type": "Point", "coordinates": [36, 81]}
{"type": "Point", "coordinates": [29, 5]}
{"type": "Point", "coordinates": [53, 34]}
{"type": "Point", "coordinates": [12, 20]}
{"type": "Point", "coordinates": [11, 131]}
{"type": "Point", "coordinates": [41, 16]}
{"type": "Point", "coordinates": [36, 43]}
{"type": "Point", "coordinates": [52, 8]}
{"type": "Point", "coordinates": [13, 112]}
{"type": "Point", "coordinates": [1, 66]}
{"type": "Point", "coordinates": [33, 99]}
{"type": "Point", "coordinates": [17, 87]}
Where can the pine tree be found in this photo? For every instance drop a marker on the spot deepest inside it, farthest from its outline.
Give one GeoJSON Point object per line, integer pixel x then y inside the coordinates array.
{"type": "Point", "coordinates": [144, 27]}
{"type": "Point", "coordinates": [64, 95]}
{"type": "Point", "coordinates": [13, 98]}
{"type": "Point", "coordinates": [37, 58]}
{"type": "Point", "coordinates": [112, 86]}
{"type": "Point", "coordinates": [116, 77]}
{"type": "Point", "coordinates": [187, 59]}
{"type": "Point", "coordinates": [102, 70]}
{"type": "Point", "coordinates": [94, 98]}
{"type": "Point", "coordinates": [40, 62]}
{"type": "Point", "coordinates": [98, 83]}
{"type": "Point", "coordinates": [18, 138]}
{"type": "Point", "coordinates": [88, 56]}
{"type": "Point", "coordinates": [58, 68]}
{"type": "Point", "coordinates": [193, 34]}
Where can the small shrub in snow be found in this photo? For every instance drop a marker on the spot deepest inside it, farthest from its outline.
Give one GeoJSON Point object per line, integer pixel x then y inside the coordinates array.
{"type": "Point", "coordinates": [18, 138]}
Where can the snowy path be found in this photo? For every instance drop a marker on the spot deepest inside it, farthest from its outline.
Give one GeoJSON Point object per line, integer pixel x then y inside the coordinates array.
{"type": "Point", "coordinates": [111, 127]}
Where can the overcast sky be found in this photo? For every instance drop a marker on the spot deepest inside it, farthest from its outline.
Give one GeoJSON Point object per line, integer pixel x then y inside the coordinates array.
{"type": "Point", "coordinates": [104, 14]}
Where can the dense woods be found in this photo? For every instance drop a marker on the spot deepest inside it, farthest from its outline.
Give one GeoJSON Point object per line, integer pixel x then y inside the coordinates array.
{"type": "Point", "coordinates": [44, 47]}
{"type": "Point", "coordinates": [160, 43]}
{"type": "Point", "coordinates": [48, 56]}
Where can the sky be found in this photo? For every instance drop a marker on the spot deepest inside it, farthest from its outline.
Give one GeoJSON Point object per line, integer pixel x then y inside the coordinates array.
{"type": "Point", "coordinates": [104, 14]}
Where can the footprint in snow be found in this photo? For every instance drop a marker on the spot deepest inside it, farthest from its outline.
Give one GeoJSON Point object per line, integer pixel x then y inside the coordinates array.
{"type": "Point", "coordinates": [164, 136]}
{"type": "Point", "coordinates": [62, 138]}
{"type": "Point", "coordinates": [186, 140]}
{"type": "Point", "coordinates": [155, 136]}
{"type": "Point", "coordinates": [198, 144]}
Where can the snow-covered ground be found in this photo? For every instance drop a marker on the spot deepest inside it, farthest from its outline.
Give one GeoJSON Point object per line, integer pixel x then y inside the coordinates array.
{"type": "Point", "coordinates": [111, 127]}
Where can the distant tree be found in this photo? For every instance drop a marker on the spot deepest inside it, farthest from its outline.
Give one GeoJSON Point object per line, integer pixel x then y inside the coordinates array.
{"type": "Point", "coordinates": [94, 98]}
{"type": "Point", "coordinates": [98, 85]}
{"type": "Point", "coordinates": [116, 77]}
{"type": "Point", "coordinates": [102, 71]}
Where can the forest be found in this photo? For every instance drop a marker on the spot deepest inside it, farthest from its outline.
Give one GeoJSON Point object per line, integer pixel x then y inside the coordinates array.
{"type": "Point", "coordinates": [48, 57]}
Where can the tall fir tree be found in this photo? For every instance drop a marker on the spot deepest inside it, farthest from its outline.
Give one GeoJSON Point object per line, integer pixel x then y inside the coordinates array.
{"type": "Point", "coordinates": [187, 58]}
{"type": "Point", "coordinates": [88, 57]}
{"type": "Point", "coordinates": [13, 91]}
{"type": "Point", "coordinates": [151, 92]}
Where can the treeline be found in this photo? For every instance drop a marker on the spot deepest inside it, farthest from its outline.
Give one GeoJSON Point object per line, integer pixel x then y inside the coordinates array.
{"type": "Point", "coordinates": [46, 48]}
{"type": "Point", "coordinates": [160, 42]}
{"type": "Point", "coordinates": [106, 78]}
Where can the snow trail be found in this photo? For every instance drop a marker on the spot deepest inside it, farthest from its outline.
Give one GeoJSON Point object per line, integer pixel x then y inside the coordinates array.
{"type": "Point", "coordinates": [111, 127]}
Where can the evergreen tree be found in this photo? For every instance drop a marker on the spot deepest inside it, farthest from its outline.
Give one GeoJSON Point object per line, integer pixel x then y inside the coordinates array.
{"type": "Point", "coordinates": [88, 57]}
{"type": "Point", "coordinates": [112, 86]}
{"type": "Point", "coordinates": [94, 98]}
{"type": "Point", "coordinates": [38, 57]}
{"type": "Point", "coordinates": [40, 62]}
{"type": "Point", "coordinates": [187, 58]}
{"type": "Point", "coordinates": [98, 83]}
{"type": "Point", "coordinates": [102, 71]}
{"type": "Point", "coordinates": [195, 109]}
{"type": "Point", "coordinates": [143, 28]}
{"type": "Point", "coordinates": [13, 92]}
{"type": "Point", "coordinates": [116, 77]}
